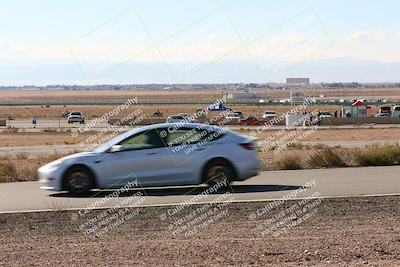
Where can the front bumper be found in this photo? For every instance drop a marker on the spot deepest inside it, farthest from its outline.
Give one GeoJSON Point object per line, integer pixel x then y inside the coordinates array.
{"type": "Point", "coordinates": [50, 178]}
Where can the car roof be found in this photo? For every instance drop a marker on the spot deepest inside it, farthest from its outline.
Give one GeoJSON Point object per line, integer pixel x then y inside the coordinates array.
{"type": "Point", "coordinates": [178, 124]}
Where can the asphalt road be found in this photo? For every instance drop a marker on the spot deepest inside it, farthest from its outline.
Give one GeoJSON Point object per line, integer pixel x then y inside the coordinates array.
{"type": "Point", "coordinates": [346, 182]}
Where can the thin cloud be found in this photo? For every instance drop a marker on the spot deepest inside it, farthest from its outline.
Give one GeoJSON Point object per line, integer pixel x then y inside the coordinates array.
{"type": "Point", "coordinates": [378, 35]}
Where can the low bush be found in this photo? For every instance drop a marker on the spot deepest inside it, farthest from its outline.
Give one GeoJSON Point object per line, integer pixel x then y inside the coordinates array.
{"type": "Point", "coordinates": [289, 162]}
{"type": "Point", "coordinates": [28, 174]}
{"type": "Point", "coordinates": [8, 172]}
{"type": "Point", "coordinates": [327, 158]}
{"type": "Point", "coordinates": [378, 156]}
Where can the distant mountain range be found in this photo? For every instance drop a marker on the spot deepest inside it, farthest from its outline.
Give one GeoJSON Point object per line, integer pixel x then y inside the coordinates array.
{"type": "Point", "coordinates": [224, 71]}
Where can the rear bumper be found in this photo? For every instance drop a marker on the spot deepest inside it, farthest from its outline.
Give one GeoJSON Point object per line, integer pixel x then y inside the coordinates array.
{"type": "Point", "coordinates": [248, 169]}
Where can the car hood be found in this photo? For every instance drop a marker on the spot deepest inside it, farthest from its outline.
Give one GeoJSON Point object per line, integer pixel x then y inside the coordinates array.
{"type": "Point", "coordinates": [67, 158]}
{"type": "Point", "coordinates": [78, 155]}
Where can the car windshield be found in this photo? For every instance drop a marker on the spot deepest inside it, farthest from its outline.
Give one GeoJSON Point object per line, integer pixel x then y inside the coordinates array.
{"type": "Point", "coordinates": [104, 147]}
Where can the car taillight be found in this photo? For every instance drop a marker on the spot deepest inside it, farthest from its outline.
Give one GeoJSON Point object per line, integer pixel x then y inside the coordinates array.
{"type": "Point", "coordinates": [248, 146]}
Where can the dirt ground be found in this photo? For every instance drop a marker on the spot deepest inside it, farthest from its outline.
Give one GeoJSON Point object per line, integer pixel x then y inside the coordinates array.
{"type": "Point", "coordinates": [91, 112]}
{"type": "Point", "coordinates": [186, 95]}
{"type": "Point", "coordinates": [63, 138]}
{"type": "Point", "coordinates": [339, 232]}
{"type": "Point", "coordinates": [30, 98]}
{"type": "Point", "coordinates": [40, 139]}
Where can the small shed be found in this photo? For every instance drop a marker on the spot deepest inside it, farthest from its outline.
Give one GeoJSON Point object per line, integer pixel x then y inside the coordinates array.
{"type": "Point", "coordinates": [359, 109]}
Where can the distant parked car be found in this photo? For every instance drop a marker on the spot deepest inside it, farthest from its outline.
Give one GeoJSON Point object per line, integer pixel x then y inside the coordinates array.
{"type": "Point", "coordinates": [396, 111]}
{"type": "Point", "coordinates": [218, 107]}
{"type": "Point", "coordinates": [251, 121]}
{"type": "Point", "coordinates": [235, 115]}
{"type": "Point", "coordinates": [269, 114]}
{"type": "Point", "coordinates": [324, 114]}
{"type": "Point", "coordinates": [179, 118]}
{"type": "Point", "coordinates": [240, 114]}
{"type": "Point", "coordinates": [158, 114]}
{"type": "Point", "coordinates": [384, 111]}
{"type": "Point", "coordinates": [383, 115]}
{"type": "Point", "coordinates": [76, 116]}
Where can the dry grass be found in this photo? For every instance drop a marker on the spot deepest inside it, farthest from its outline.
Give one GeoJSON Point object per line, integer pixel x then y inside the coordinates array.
{"type": "Point", "coordinates": [289, 161]}
{"type": "Point", "coordinates": [38, 139]}
{"type": "Point", "coordinates": [65, 138]}
{"type": "Point", "coordinates": [333, 158]}
{"type": "Point", "coordinates": [8, 172]}
{"type": "Point", "coordinates": [328, 158]}
{"type": "Point", "coordinates": [378, 156]}
{"type": "Point", "coordinates": [20, 167]}
{"type": "Point", "coordinates": [193, 95]}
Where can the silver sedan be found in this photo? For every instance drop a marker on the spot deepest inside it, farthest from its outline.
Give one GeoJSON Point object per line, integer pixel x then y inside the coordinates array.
{"type": "Point", "coordinates": [167, 154]}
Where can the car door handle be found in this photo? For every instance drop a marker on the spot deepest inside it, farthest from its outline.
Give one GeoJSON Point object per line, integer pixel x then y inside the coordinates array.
{"type": "Point", "coordinates": [153, 153]}
{"type": "Point", "coordinates": [199, 149]}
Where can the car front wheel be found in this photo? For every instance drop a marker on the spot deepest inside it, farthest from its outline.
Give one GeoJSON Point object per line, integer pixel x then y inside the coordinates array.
{"type": "Point", "coordinates": [78, 181]}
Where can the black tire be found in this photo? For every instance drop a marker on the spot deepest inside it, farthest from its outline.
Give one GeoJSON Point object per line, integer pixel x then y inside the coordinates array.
{"type": "Point", "coordinates": [217, 171]}
{"type": "Point", "coordinates": [78, 181]}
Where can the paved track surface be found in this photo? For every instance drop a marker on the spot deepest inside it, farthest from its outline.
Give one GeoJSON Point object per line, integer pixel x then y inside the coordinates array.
{"type": "Point", "coordinates": [346, 182]}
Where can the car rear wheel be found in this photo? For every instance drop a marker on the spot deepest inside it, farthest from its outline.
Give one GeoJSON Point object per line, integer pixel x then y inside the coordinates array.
{"type": "Point", "coordinates": [218, 172]}
{"type": "Point", "coordinates": [78, 181]}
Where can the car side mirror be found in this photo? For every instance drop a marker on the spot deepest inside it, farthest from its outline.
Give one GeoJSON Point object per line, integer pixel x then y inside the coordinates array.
{"type": "Point", "coordinates": [115, 148]}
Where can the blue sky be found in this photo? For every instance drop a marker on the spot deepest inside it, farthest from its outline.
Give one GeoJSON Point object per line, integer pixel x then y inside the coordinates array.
{"type": "Point", "coordinates": [39, 33]}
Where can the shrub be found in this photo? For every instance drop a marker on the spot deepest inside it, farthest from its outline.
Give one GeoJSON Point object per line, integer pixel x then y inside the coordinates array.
{"type": "Point", "coordinates": [8, 172]}
{"type": "Point", "coordinates": [289, 162]}
{"type": "Point", "coordinates": [319, 146]}
{"type": "Point", "coordinates": [327, 158]}
{"type": "Point", "coordinates": [380, 156]}
{"type": "Point", "coordinates": [11, 129]}
{"type": "Point", "coordinates": [295, 145]}
{"type": "Point", "coordinates": [21, 156]}
{"type": "Point", "coordinates": [28, 174]}
{"type": "Point", "coordinates": [50, 130]}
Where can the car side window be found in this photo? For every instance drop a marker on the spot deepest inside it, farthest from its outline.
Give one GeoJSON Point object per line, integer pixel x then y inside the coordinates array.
{"type": "Point", "coordinates": [190, 136]}
{"type": "Point", "coordinates": [146, 140]}
{"type": "Point", "coordinates": [183, 136]}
